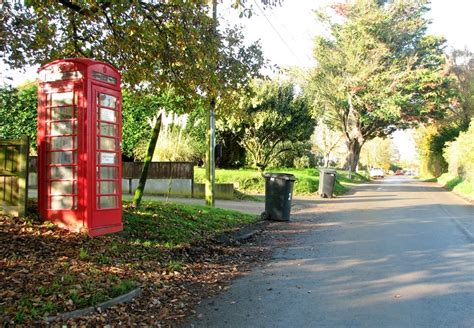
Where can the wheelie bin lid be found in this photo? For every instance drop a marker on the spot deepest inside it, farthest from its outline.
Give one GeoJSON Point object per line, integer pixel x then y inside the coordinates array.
{"type": "Point", "coordinates": [327, 170]}
{"type": "Point", "coordinates": [281, 176]}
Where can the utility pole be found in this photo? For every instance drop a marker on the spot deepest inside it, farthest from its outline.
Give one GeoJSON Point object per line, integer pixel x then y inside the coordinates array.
{"type": "Point", "coordinates": [211, 134]}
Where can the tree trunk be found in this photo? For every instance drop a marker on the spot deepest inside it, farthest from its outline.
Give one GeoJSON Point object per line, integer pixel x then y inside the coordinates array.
{"type": "Point", "coordinates": [210, 154]}
{"type": "Point", "coordinates": [354, 147]}
{"type": "Point", "coordinates": [209, 191]}
{"type": "Point", "coordinates": [149, 155]}
{"type": "Point", "coordinates": [326, 160]}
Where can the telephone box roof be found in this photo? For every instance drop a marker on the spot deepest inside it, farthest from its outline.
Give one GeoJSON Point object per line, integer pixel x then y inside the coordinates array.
{"type": "Point", "coordinates": [83, 61]}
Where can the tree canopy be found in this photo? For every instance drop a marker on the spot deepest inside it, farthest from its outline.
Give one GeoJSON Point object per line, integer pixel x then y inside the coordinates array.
{"type": "Point", "coordinates": [378, 70]}
{"type": "Point", "coordinates": [156, 45]}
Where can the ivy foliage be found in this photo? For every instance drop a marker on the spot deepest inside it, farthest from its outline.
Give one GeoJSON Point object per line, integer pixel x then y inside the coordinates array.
{"type": "Point", "coordinates": [18, 113]}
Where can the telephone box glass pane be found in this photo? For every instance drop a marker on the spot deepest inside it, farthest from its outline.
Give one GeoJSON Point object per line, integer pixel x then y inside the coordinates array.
{"type": "Point", "coordinates": [61, 172]}
{"type": "Point", "coordinates": [107, 115]}
{"type": "Point", "coordinates": [62, 99]}
{"type": "Point", "coordinates": [107, 129]}
{"type": "Point", "coordinates": [106, 187]}
{"type": "Point", "coordinates": [106, 202]}
{"type": "Point", "coordinates": [59, 143]}
{"type": "Point", "coordinates": [107, 100]}
{"type": "Point", "coordinates": [61, 202]}
{"type": "Point", "coordinates": [106, 158]}
{"type": "Point", "coordinates": [60, 128]}
{"type": "Point", "coordinates": [62, 157]}
{"type": "Point", "coordinates": [107, 143]}
{"type": "Point", "coordinates": [62, 113]}
{"type": "Point", "coordinates": [62, 187]}
{"type": "Point", "coordinates": [107, 172]}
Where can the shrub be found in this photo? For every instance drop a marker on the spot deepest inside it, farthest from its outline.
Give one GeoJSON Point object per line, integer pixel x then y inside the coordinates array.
{"type": "Point", "coordinates": [302, 162]}
{"type": "Point", "coordinates": [460, 155]}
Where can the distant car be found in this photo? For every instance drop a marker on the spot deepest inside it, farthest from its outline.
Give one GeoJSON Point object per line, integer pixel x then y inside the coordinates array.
{"type": "Point", "coordinates": [399, 172]}
{"type": "Point", "coordinates": [376, 173]}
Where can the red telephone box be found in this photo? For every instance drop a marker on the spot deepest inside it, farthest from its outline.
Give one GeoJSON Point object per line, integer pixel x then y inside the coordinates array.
{"type": "Point", "coordinates": [79, 138]}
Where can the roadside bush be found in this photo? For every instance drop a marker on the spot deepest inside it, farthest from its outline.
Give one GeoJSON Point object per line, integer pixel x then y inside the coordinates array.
{"type": "Point", "coordinates": [302, 162]}
{"type": "Point", "coordinates": [431, 142]}
{"type": "Point", "coordinates": [460, 155]}
{"type": "Point", "coordinates": [300, 156]}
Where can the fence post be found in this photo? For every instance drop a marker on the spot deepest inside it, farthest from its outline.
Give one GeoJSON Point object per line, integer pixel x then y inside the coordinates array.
{"type": "Point", "coordinates": [22, 165]}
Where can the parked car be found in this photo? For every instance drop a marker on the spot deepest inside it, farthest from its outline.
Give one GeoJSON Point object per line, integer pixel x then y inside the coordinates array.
{"type": "Point", "coordinates": [399, 172]}
{"type": "Point", "coordinates": [410, 172]}
{"type": "Point", "coordinates": [376, 172]}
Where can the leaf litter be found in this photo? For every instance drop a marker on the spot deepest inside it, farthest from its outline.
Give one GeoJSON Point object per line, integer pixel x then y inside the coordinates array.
{"type": "Point", "coordinates": [45, 271]}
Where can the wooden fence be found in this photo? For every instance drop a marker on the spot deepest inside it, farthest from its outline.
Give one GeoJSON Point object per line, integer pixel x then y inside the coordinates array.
{"type": "Point", "coordinates": [14, 176]}
{"type": "Point", "coordinates": [159, 170]}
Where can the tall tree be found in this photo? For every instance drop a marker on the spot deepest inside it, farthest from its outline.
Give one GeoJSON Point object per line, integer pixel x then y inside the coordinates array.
{"type": "Point", "coordinates": [378, 70]}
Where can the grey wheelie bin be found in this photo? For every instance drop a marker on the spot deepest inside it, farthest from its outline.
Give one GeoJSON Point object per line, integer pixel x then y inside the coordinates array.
{"type": "Point", "coordinates": [278, 195]}
{"type": "Point", "coordinates": [327, 180]}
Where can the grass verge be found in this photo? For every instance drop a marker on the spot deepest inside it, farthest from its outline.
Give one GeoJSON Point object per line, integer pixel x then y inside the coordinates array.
{"type": "Point", "coordinates": [45, 270]}
{"type": "Point", "coordinates": [249, 181]}
{"type": "Point", "coordinates": [458, 185]}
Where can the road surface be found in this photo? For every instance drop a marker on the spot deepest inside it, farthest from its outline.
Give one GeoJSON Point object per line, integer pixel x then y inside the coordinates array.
{"type": "Point", "coordinates": [394, 253]}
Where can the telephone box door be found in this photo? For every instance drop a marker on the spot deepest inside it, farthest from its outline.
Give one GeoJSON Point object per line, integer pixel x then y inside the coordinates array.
{"type": "Point", "coordinates": [106, 116]}
{"type": "Point", "coordinates": [61, 140]}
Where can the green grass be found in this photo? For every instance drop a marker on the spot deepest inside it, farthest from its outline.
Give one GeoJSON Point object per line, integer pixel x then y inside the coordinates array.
{"type": "Point", "coordinates": [457, 184]}
{"type": "Point", "coordinates": [249, 181]}
{"type": "Point", "coordinates": [174, 225]}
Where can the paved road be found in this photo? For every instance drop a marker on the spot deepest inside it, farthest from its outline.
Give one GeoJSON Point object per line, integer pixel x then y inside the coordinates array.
{"type": "Point", "coordinates": [396, 253]}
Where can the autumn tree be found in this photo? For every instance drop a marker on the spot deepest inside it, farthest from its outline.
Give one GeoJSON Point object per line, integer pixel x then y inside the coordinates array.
{"type": "Point", "coordinates": [378, 70]}
{"type": "Point", "coordinates": [157, 46]}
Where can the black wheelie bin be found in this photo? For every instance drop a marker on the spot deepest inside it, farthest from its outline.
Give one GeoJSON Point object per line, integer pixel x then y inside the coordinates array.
{"type": "Point", "coordinates": [327, 180]}
{"type": "Point", "coordinates": [278, 195]}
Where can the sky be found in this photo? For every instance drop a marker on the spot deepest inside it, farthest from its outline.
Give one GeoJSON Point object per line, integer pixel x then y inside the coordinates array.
{"type": "Point", "coordinates": [286, 33]}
